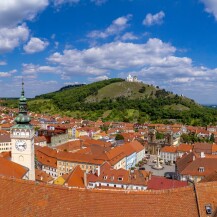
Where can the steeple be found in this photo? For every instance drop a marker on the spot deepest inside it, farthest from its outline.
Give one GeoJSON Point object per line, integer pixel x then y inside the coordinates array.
{"type": "Point", "coordinates": [22, 139]}
{"type": "Point", "coordinates": [22, 117]}
{"type": "Point", "coordinates": [22, 93]}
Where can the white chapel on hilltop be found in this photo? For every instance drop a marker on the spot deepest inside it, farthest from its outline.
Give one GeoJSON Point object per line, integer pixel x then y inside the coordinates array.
{"type": "Point", "coordinates": [131, 78]}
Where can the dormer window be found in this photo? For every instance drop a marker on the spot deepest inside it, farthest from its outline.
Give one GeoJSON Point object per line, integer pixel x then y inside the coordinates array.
{"type": "Point", "coordinates": [120, 178]}
{"type": "Point", "coordinates": [104, 177]}
{"type": "Point", "coordinates": [201, 169]}
{"type": "Point", "coordinates": [208, 209]}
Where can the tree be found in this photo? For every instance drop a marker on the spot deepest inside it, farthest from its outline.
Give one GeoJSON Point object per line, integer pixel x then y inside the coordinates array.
{"type": "Point", "coordinates": [159, 135]}
{"type": "Point", "coordinates": [212, 138]}
{"type": "Point", "coordinates": [119, 137]}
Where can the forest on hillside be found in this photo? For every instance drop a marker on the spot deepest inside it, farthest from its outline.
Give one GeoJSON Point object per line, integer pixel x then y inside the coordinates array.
{"type": "Point", "coordinates": [160, 106]}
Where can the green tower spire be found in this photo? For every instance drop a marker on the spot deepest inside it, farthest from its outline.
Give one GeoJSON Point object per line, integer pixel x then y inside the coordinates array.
{"type": "Point", "coordinates": [22, 117]}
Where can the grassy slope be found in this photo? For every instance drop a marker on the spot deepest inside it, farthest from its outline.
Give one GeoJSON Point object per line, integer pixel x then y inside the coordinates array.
{"type": "Point", "coordinates": [120, 89]}
{"type": "Point", "coordinates": [178, 107]}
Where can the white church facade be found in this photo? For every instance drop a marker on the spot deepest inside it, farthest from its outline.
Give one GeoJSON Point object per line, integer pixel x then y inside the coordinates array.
{"type": "Point", "coordinates": [131, 78]}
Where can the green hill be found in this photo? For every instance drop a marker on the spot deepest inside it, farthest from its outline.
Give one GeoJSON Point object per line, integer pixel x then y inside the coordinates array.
{"type": "Point", "coordinates": [130, 90]}
{"type": "Point", "coordinates": [118, 100]}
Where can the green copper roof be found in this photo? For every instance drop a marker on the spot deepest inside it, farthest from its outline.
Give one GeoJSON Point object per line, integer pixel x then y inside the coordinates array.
{"type": "Point", "coordinates": [22, 126]}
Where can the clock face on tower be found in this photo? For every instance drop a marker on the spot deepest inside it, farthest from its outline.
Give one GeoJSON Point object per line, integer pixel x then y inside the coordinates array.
{"type": "Point", "coordinates": [20, 145]}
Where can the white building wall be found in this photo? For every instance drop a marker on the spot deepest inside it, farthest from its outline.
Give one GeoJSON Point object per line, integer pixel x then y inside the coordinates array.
{"type": "Point", "coordinates": [5, 146]}
{"type": "Point", "coordinates": [50, 170]}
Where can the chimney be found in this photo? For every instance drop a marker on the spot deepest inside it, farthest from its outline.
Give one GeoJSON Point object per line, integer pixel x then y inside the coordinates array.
{"type": "Point", "coordinates": [98, 171]}
{"type": "Point", "coordinates": [85, 179]}
{"type": "Point", "coordinates": [81, 143]}
{"type": "Point", "coordinates": [202, 155]}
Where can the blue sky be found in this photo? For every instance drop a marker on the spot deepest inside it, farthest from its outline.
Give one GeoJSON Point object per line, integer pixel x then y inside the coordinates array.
{"type": "Point", "coordinates": [170, 43]}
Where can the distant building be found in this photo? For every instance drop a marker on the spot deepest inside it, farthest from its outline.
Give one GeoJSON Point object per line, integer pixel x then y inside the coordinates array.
{"type": "Point", "coordinates": [195, 166]}
{"type": "Point", "coordinates": [132, 78]}
{"type": "Point", "coordinates": [5, 143]}
{"type": "Point", "coordinates": [121, 178]}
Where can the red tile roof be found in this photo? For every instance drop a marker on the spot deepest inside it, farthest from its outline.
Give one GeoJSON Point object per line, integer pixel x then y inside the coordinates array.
{"type": "Point", "coordinates": [76, 178]}
{"type": "Point", "coordinates": [160, 183]}
{"type": "Point", "coordinates": [184, 148]}
{"type": "Point", "coordinates": [70, 146]}
{"type": "Point", "coordinates": [42, 176]}
{"type": "Point", "coordinates": [10, 169]}
{"type": "Point", "coordinates": [189, 164]}
{"type": "Point", "coordinates": [47, 156]}
{"type": "Point", "coordinates": [25, 198]}
{"type": "Point", "coordinates": [169, 149]}
{"type": "Point", "coordinates": [120, 176]}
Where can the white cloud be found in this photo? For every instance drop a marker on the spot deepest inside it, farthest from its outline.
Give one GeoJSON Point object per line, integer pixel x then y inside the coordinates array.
{"type": "Point", "coordinates": [35, 45]}
{"type": "Point", "coordinates": [117, 26]}
{"type": "Point", "coordinates": [72, 83]}
{"type": "Point", "coordinates": [7, 74]}
{"type": "Point", "coordinates": [13, 12]}
{"type": "Point", "coordinates": [155, 62]}
{"type": "Point", "coordinates": [3, 63]}
{"type": "Point", "coordinates": [129, 36]}
{"type": "Point", "coordinates": [152, 19]}
{"type": "Point", "coordinates": [98, 78]}
{"type": "Point", "coordinates": [182, 80]}
{"type": "Point", "coordinates": [210, 7]}
{"type": "Point", "coordinates": [99, 2]}
{"type": "Point", "coordinates": [111, 56]}
{"type": "Point", "coordinates": [60, 2]}
{"type": "Point", "coordinates": [12, 37]}
{"type": "Point", "coordinates": [34, 69]}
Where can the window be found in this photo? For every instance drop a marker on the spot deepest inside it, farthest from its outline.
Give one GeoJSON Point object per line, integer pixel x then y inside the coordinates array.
{"type": "Point", "coordinates": [120, 178]}
{"type": "Point", "coordinates": [208, 209]}
{"type": "Point", "coordinates": [201, 169]}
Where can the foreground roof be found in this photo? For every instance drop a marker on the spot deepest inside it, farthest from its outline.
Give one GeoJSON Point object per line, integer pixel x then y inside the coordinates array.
{"type": "Point", "coordinates": [38, 199]}
{"type": "Point", "coordinates": [11, 169]}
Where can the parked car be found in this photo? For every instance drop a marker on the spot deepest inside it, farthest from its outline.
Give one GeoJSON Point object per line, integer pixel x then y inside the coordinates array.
{"type": "Point", "coordinates": [142, 168]}
{"type": "Point", "coordinates": [170, 175]}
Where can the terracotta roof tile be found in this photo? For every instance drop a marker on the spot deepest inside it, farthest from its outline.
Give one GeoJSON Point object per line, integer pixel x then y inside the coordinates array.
{"type": "Point", "coordinates": [11, 169]}
{"type": "Point", "coordinates": [52, 200]}
{"type": "Point", "coordinates": [42, 176]}
{"type": "Point", "coordinates": [76, 178]}
{"type": "Point", "coordinates": [160, 183]}
{"type": "Point", "coordinates": [170, 149]}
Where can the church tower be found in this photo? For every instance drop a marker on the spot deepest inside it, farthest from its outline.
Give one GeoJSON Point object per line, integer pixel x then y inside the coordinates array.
{"type": "Point", "coordinates": [22, 139]}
